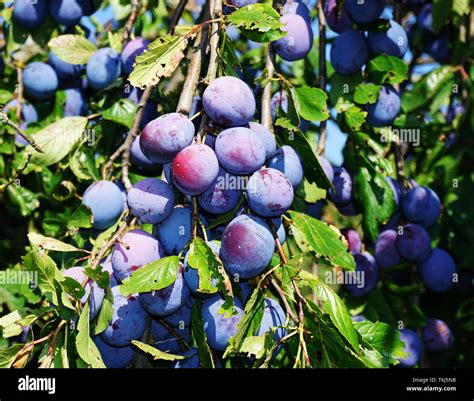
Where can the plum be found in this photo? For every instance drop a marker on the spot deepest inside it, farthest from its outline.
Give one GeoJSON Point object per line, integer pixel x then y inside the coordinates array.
{"type": "Point", "coordinates": [425, 18]}
{"type": "Point", "coordinates": [413, 243]}
{"type": "Point", "coordinates": [68, 12]}
{"type": "Point", "coordinates": [170, 341]}
{"type": "Point", "coordinates": [267, 138]}
{"type": "Point", "coordinates": [192, 360]}
{"type": "Point", "coordinates": [364, 12]}
{"type": "Point", "coordinates": [194, 169]}
{"type": "Point", "coordinates": [76, 103]}
{"type": "Point", "coordinates": [164, 137]}
{"type": "Point", "coordinates": [149, 112]}
{"type": "Point", "coordinates": [247, 246]}
{"type": "Point", "coordinates": [30, 14]}
{"type": "Point", "coordinates": [105, 200]}
{"type": "Point", "coordinates": [385, 249]}
{"type": "Point", "coordinates": [219, 328]}
{"type": "Point", "coordinates": [40, 81]}
{"type": "Point", "coordinates": [167, 300]}
{"type": "Point", "coordinates": [129, 320]}
{"type": "Point", "coordinates": [64, 70]}
{"type": "Point", "coordinates": [229, 102]}
{"type": "Point", "coordinates": [336, 17]}
{"type": "Point", "coordinates": [103, 68]}
{"type": "Point", "coordinates": [222, 196]}
{"type": "Point", "coordinates": [422, 206]}
{"type": "Point", "coordinates": [273, 316]}
{"type": "Point", "coordinates": [143, 248]}
{"type": "Point", "coordinates": [191, 275]}
{"type": "Point", "coordinates": [130, 52]}
{"type": "Point", "coordinates": [175, 231]}
{"type": "Point", "coordinates": [286, 160]}
{"type": "Point", "coordinates": [437, 271]}
{"type": "Point", "coordinates": [393, 41]}
{"type": "Point", "coordinates": [413, 347]}
{"type": "Point", "coordinates": [281, 233]}
{"type": "Point", "coordinates": [327, 167]}
{"type": "Point", "coordinates": [240, 150]}
{"type": "Point", "coordinates": [365, 277]}
{"type": "Point", "coordinates": [384, 111]}
{"type": "Point", "coordinates": [296, 7]}
{"type": "Point", "coordinates": [437, 335]}
{"type": "Point", "coordinates": [353, 239]}
{"type": "Point", "coordinates": [396, 189]}
{"type": "Point", "coordinates": [139, 158]}
{"type": "Point", "coordinates": [297, 42]}
{"type": "Point", "coordinates": [439, 48]}
{"type": "Point", "coordinates": [269, 192]}
{"type": "Point", "coordinates": [182, 317]}
{"type": "Point", "coordinates": [114, 357]}
{"type": "Point", "coordinates": [167, 173]}
{"type": "Point", "coordinates": [151, 200]}
{"type": "Point", "coordinates": [349, 52]}
{"type": "Point", "coordinates": [342, 194]}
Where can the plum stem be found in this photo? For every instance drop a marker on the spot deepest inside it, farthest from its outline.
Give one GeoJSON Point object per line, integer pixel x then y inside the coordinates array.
{"type": "Point", "coordinates": [282, 296]}
{"type": "Point", "coordinates": [267, 120]}
{"type": "Point", "coordinates": [322, 72]}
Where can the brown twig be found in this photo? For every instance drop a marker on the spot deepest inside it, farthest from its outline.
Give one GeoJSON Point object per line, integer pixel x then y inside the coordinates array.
{"type": "Point", "coordinates": [267, 120]}
{"type": "Point", "coordinates": [215, 8]}
{"type": "Point", "coordinates": [135, 8]}
{"type": "Point", "coordinates": [17, 174]}
{"type": "Point", "coordinates": [5, 120]}
{"type": "Point", "coordinates": [322, 72]}
{"type": "Point", "coordinates": [178, 12]}
{"type": "Point", "coordinates": [19, 90]}
{"type": "Point", "coordinates": [282, 296]}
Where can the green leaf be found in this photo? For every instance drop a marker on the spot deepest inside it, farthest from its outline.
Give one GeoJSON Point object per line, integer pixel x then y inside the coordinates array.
{"type": "Point", "coordinates": [85, 347]}
{"type": "Point", "coordinates": [57, 140]}
{"type": "Point", "coordinates": [12, 324]}
{"type": "Point", "coordinates": [151, 277]}
{"type": "Point", "coordinates": [324, 240]}
{"type": "Point", "coordinates": [7, 355]}
{"type": "Point", "coordinates": [354, 117]}
{"type": "Point", "coordinates": [387, 69]}
{"type": "Point", "coordinates": [121, 112]}
{"type": "Point", "coordinates": [367, 93]}
{"type": "Point", "coordinates": [461, 7]}
{"type": "Point", "coordinates": [106, 312]}
{"type": "Point", "coordinates": [161, 58]}
{"type": "Point", "coordinates": [73, 49]}
{"type": "Point", "coordinates": [342, 86]}
{"type": "Point", "coordinates": [81, 218]}
{"type": "Point", "coordinates": [51, 244]}
{"type": "Point", "coordinates": [82, 164]}
{"type": "Point", "coordinates": [311, 103]}
{"type": "Point", "coordinates": [199, 335]}
{"type": "Point", "coordinates": [441, 11]}
{"type": "Point", "coordinates": [202, 258]}
{"type": "Point", "coordinates": [156, 353]}
{"type": "Point", "coordinates": [253, 346]}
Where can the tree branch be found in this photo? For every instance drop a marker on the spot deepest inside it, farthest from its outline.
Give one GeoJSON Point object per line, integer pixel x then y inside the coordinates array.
{"type": "Point", "coordinates": [267, 120]}
{"type": "Point", "coordinates": [178, 12]}
{"type": "Point", "coordinates": [136, 5]}
{"type": "Point", "coordinates": [215, 8]}
{"type": "Point", "coordinates": [6, 121]}
{"type": "Point", "coordinates": [322, 72]}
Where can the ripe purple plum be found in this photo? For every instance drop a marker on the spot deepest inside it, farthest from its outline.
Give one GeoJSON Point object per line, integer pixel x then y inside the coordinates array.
{"type": "Point", "coordinates": [396, 189]}
{"type": "Point", "coordinates": [247, 246]}
{"type": "Point", "coordinates": [413, 347]}
{"type": "Point", "coordinates": [194, 169]}
{"type": "Point", "coordinates": [139, 158]}
{"type": "Point", "coordinates": [129, 320]}
{"type": "Point", "coordinates": [297, 42]}
{"type": "Point", "coordinates": [336, 17]}
{"type": "Point", "coordinates": [269, 192]}
{"type": "Point", "coordinates": [182, 317]}
{"type": "Point", "coordinates": [422, 206]}
{"type": "Point", "coordinates": [103, 68]}
{"type": "Point", "coordinates": [114, 357]}
{"type": "Point", "coordinates": [219, 328]}
{"type": "Point", "coordinates": [64, 71]}
{"type": "Point", "coordinates": [386, 250]}
{"type": "Point", "coordinates": [151, 200]}
{"type": "Point", "coordinates": [353, 239]}
{"type": "Point", "coordinates": [192, 360]}
{"type": "Point", "coordinates": [364, 12]}
{"type": "Point", "coordinates": [40, 81]}
{"type": "Point", "coordinates": [223, 195]}
{"type": "Point", "coordinates": [327, 167]}
{"type": "Point", "coordinates": [143, 248]}
{"type": "Point", "coordinates": [130, 52]}
{"type": "Point", "coordinates": [76, 103]}
{"type": "Point", "coordinates": [30, 14]}
{"type": "Point", "coordinates": [167, 300]}
{"type": "Point", "coordinates": [191, 275]}
{"type": "Point", "coordinates": [175, 231]}
{"type": "Point", "coordinates": [273, 316]}
{"type": "Point", "coordinates": [413, 243]}
{"type": "Point", "coordinates": [342, 194]}
{"type": "Point", "coordinates": [240, 150]}
{"type": "Point", "coordinates": [349, 52]}
{"type": "Point", "coordinates": [105, 200]}
{"type": "Point", "coordinates": [439, 48]}
{"type": "Point", "coordinates": [286, 160]}
{"type": "Point", "coordinates": [393, 41]}
{"type": "Point", "coordinates": [68, 12]}
{"type": "Point", "coordinates": [437, 271]}
{"type": "Point", "coordinates": [267, 138]}
{"type": "Point", "coordinates": [437, 335]}
{"type": "Point", "coordinates": [365, 277]}
{"type": "Point", "coordinates": [384, 111]}
{"type": "Point", "coordinates": [229, 102]}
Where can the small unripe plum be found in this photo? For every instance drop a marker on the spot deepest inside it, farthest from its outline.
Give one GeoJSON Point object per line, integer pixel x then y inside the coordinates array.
{"type": "Point", "coordinates": [247, 246]}
{"type": "Point", "coordinates": [364, 12]}
{"type": "Point", "coordinates": [240, 150]}
{"type": "Point", "coordinates": [365, 277]}
{"type": "Point", "coordinates": [286, 160]}
{"type": "Point", "coordinates": [437, 271]}
{"type": "Point", "coordinates": [175, 231]}
{"type": "Point", "coordinates": [386, 250]}
{"type": "Point", "coordinates": [437, 335]}
{"type": "Point", "coordinates": [105, 200]}
{"type": "Point", "coordinates": [384, 111]}
{"type": "Point", "coordinates": [297, 42]}
{"type": "Point", "coordinates": [139, 158]}
{"type": "Point", "coordinates": [130, 52]}
{"type": "Point", "coordinates": [425, 18]}
{"type": "Point", "coordinates": [353, 239]}
{"type": "Point", "coordinates": [103, 68]}
{"type": "Point", "coordinates": [194, 169]}
{"type": "Point", "coordinates": [413, 243]}
{"type": "Point", "coordinates": [30, 14]}
{"type": "Point", "coordinates": [76, 103]}
{"type": "Point", "coordinates": [40, 80]}
{"type": "Point", "coordinates": [413, 347]}
{"type": "Point", "coordinates": [151, 200]}
{"type": "Point", "coordinates": [114, 357]}
{"type": "Point", "coordinates": [163, 138]}
{"type": "Point", "coordinates": [327, 167]}
{"type": "Point", "coordinates": [143, 248]}
{"type": "Point", "coordinates": [64, 71]}
{"type": "Point", "coordinates": [223, 195]}
{"type": "Point", "coordinates": [229, 102]}
{"type": "Point", "coordinates": [129, 320]}
{"type": "Point", "coordinates": [269, 192]}
{"type": "Point", "coordinates": [167, 300]}
{"type": "Point", "coordinates": [393, 41]}
{"type": "Point", "coordinates": [337, 19]}
{"type": "Point", "coordinates": [422, 206]}
{"type": "Point", "coordinates": [219, 328]}
{"type": "Point", "coordinates": [343, 187]}
{"type": "Point", "coordinates": [273, 316]}
{"type": "Point", "coordinates": [349, 52]}
{"type": "Point", "coordinates": [68, 12]}
{"type": "Point", "coordinates": [267, 138]}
